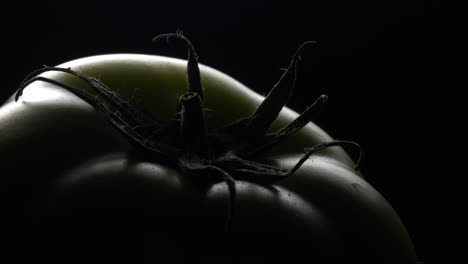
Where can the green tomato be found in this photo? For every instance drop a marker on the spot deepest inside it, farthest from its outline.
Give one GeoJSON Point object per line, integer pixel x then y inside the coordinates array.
{"type": "Point", "coordinates": [69, 176]}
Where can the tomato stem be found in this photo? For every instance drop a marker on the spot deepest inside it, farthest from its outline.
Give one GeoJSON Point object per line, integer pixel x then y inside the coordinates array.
{"type": "Point", "coordinates": [193, 71]}
{"type": "Point", "coordinates": [302, 120]}
{"type": "Point", "coordinates": [192, 123]}
{"type": "Point", "coordinates": [186, 143]}
{"type": "Point", "coordinates": [278, 97]}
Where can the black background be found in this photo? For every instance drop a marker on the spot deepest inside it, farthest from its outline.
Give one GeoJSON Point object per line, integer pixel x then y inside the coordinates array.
{"type": "Point", "coordinates": [393, 72]}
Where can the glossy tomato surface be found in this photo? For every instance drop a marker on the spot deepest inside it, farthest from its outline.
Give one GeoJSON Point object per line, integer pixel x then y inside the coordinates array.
{"type": "Point", "coordinates": [70, 177]}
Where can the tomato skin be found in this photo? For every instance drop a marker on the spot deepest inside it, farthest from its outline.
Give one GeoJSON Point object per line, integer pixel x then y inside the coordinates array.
{"type": "Point", "coordinates": [360, 213]}
{"type": "Point", "coordinates": [117, 194]}
{"type": "Point", "coordinates": [65, 164]}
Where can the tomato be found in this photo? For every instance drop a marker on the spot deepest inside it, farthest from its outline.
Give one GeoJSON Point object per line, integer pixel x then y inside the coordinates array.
{"type": "Point", "coordinates": [76, 186]}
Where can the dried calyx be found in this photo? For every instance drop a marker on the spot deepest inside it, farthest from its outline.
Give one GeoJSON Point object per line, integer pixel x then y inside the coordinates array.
{"type": "Point", "coordinates": [224, 154]}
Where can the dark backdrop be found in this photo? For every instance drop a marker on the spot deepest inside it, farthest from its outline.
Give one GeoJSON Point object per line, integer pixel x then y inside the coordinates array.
{"type": "Point", "coordinates": [392, 71]}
